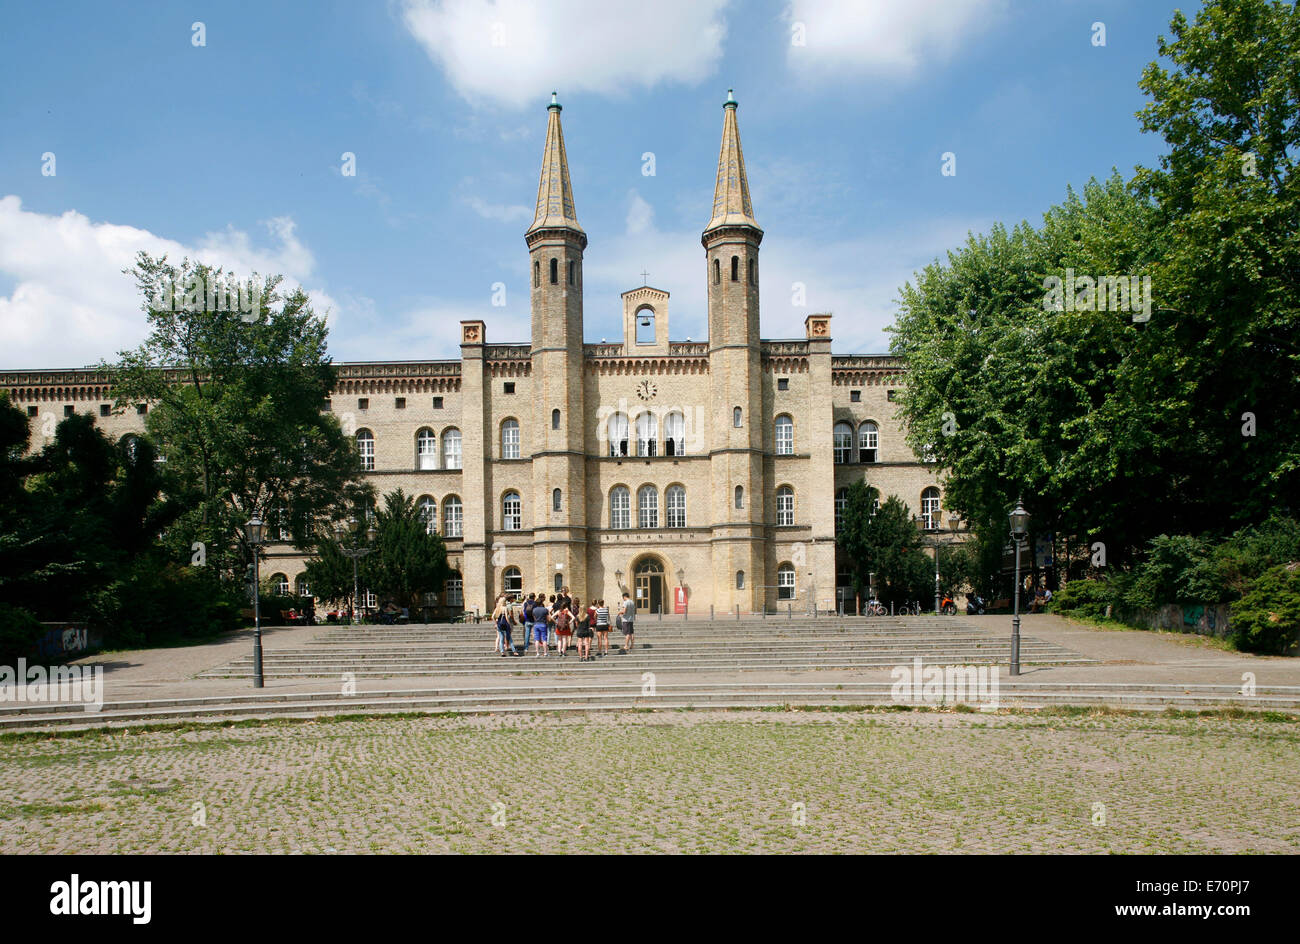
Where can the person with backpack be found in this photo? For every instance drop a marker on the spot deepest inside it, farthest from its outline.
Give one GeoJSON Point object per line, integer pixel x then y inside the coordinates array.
{"type": "Point", "coordinates": [541, 617]}
{"type": "Point", "coordinates": [563, 628]}
{"type": "Point", "coordinates": [602, 628]}
{"type": "Point", "coordinates": [501, 615]}
{"type": "Point", "coordinates": [584, 631]}
{"type": "Point", "coordinates": [528, 619]}
{"type": "Point", "coordinates": [627, 613]}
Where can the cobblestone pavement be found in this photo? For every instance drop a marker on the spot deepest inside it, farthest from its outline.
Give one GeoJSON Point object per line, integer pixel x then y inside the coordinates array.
{"type": "Point", "coordinates": [752, 781]}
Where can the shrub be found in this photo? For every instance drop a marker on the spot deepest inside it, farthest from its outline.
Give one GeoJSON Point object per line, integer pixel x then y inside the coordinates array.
{"type": "Point", "coordinates": [1087, 598]}
{"type": "Point", "coordinates": [19, 633]}
{"type": "Point", "coordinates": [1178, 569]}
{"type": "Point", "coordinates": [153, 604]}
{"type": "Point", "coordinates": [1267, 617]}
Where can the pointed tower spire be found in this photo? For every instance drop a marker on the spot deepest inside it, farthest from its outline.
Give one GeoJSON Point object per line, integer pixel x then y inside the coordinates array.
{"type": "Point", "coordinates": [731, 206]}
{"type": "Point", "coordinates": [555, 189]}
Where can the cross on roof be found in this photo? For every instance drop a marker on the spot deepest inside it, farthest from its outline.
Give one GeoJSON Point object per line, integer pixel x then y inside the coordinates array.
{"type": "Point", "coordinates": [645, 277]}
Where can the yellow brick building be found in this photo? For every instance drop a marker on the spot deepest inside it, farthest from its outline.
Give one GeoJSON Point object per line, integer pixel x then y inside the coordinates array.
{"type": "Point", "coordinates": [705, 471]}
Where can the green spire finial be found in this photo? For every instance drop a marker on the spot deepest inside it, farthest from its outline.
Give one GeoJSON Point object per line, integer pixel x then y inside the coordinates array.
{"type": "Point", "coordinates": [555, 102]}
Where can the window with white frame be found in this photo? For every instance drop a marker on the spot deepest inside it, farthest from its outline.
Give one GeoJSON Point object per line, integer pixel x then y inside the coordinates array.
{"type": "Point", "coordinates": [428, 514]}
{"type": "Point", "coordinates": [674, 434]}
{"type": "Point", "coordinates": [785, 506]}
{"type": "Point", "coordinates": [451, 449]}
{"type": "Point", "coordinates": [281, 584]}
{"type": "Point", "coordinates": [647, 507]}
{"type": "Point", "coordinates": [512, 512]}
{"type": "Point", "coordinates": [841, 505]}
{"type": "Point", "coordinates": [618, 432]}
{"type": "Point", "coordinates": [620, 508]}
{"type": "Point", "coordinates": [455, 589]}
{"type": "Point", "coordinates": [366, 447]}
{"type": "Point", "coordinates": [675, 503]}
{"type": "Point", "coordinates": [785, 582]}
{"type": "Point", "coordinates": [868, 442]}
{"type": "Point", "coordinates": [453, 513]}
{"type": "Point", "coordinates": [426, 450]}
{"type": "Point", "coordinates": [842, 442]}
{"type": "Point", "coordinates": [647, 434]}
{"type": "Point", "coordinates": [514, 580]}
{"type": "Point", "coordinates": [510, 439]}
{"type": "Point", "coordinates": [784, 435]}
{"type": "Point", "coordinates": [304, 587]}
{"type": "Point", "coordinates": [369, 600]}
{"type": "Point", "coordinates": [282, 528]}
{"type": "Point", "coordinates": [930, 508]}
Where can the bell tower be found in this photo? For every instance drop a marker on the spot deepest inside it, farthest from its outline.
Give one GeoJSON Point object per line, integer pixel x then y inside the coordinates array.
{"type": "Point", "coordinates": [731, 241]}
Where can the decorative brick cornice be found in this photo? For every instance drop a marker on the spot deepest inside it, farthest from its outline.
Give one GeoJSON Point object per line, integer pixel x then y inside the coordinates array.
{"type": "Point", "coordinates": [867, 370]}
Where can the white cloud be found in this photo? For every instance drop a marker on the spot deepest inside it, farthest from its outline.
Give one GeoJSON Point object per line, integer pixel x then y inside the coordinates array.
{"type": "Point", "coordinates": [499, 211]}
{"type": "Point", "coordinates": [880, 37]}
{"type": "Point", "coordinates": [640, 215]}
{"type": "Point", "coordinates": [71, 304]}
{"type": "Point", "coordinates": [512, 52]}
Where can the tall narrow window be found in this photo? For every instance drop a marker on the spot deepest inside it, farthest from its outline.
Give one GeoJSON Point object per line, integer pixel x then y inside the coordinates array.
{"type": "Point", "coordinates": [675, 503]}
{"type": "Point", "coordinates": [735, 268]}
{"type": "Point", "coordinates": [930, 508]}
{"type": "Point", "coordinates": [366, 447]}
{"type": "Point", "coordinates": [740, 580]}
{"type": "Point", "coordinates": [555, 419]}
{"type": "Point", "coordinates": [674, 434]}
{"type": "Point", "coordinates": [717, 272]}
{"type": "Point", "coordinates": [752, 267]}
{"type": "Point", "coordinates": [429, 514]}
{"type": "Point", "coordinates": [451, 449]}
{"type": "Point", "coordinates": [454, 589]}
{"type": "Point", "coordinates": [556, 496]}
{"type": "Point", "coordinates": [537, 273]}
{"type": "Point", "coordinates": [555, 272]}
{"type": "Point", "coordinates": [426, 450]}
{"type": "Point", "coordinates": [512, 512]}
{"type": "Point", "coordinates": [841, 505]}
{"type": "Point", "coordinates": [735, 417]}
{"type": "Point", "coordinates": [647, 507]}
{"type": "Point", "coordinates": [513, 580]}
{"type": "Point", "coordinates": [620, 508]}
{"type": "Point", "coordinates": [453, 517]}
{"type": "Point", "coordinates": [647, 434]}
{"type": "Point", "coordinates": [740, 496]}
{"type": "Point", "coordinates": [868, 442]}
{"type": "Point", "coordinates": [304, 586]}
{"type": "Point", "coordinates": [510, 439]}
{"type": "Point", "coordinates": [618, 432]}
{"type": "Point", "coordinates": [573, 269]}
{"type": "Point", "coordinates": [842, 441]}
{"type": "Point", "coordinates": [785, 506]}
{"type": "Point", "coordinates": [785, 581]}
{"type": "Point", "coordinates": [784, 435]}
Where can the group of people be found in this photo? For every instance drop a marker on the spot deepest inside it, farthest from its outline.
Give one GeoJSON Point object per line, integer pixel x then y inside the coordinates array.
{"type": "Point", "coordinates": [564, 619]}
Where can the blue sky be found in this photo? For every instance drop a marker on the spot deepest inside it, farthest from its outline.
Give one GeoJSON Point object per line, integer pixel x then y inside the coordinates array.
{"type": "Point", "coordinates": [232, 151]}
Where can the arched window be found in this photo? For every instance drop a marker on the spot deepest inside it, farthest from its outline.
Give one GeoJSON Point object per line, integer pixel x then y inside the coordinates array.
{"type": "Point", "coordinates": [366, 447]}
{"type": "Point", "coordinates": [559, 581]}
{"type": "Point", "coordinates": [451, 449]}
{"type": "Point", "coordinates": [280, 584]}
{"type": "Point", "coordinates": [717, 272]}
{"type": "Point", "coordinates": [537, 273]}
{"type": "Point", "coordinates": [645, 325]}
{"type": "Point", "coordinates": [555, 419]}
{"type": "Point", "coordinates": [930, 508]}
{"type": "Point", "coordinates": [736, 417]}
{"type": "Point", "coordinates": [618, 428]}
{"type": "Point", "coordinates": [283, 529]}
{"type": "Point", "coordinates": [740, 496]}
{"type": "Point", "coordinates": [868, 442]}
{"type": "Point", "coordinates": [428, 509]}
{"type": "Point", "coordinates": [784, 506]}
{"type": "Point", "coordinates": [556, 499]}
{"type": "Point", "coordinates": [784, 435]}
{"type": "Point", "coordinates": [454, 589]}
{"type": "Point", "coordinates": [510, 439]}
{"type": "Point", "coordinates": [620, 508]}
{"type": "Point", "coordinates": [674, 434]}
{"type": "Point", "coordinates": [647, 434]}
{"type": "Point", "coordinates": [735, 268]}
{"type": "Point", "coordinates": [740, 580]}
{"type": "Point", "coordinates": [675, 504]}
{"type": "Point", "coordinates": [426, 450]}
{"type": "Point", "coordinates": [512, 512]}
{"type": "Point", "coordinates": [752, 267]}
{"type": "Point", "coordinates": [841, 504]}
{"type": "Point", "coordinates": [573, 269]}
{"type": "Point", "coordinates": [512, 580]}
{"type": "Point", "coordinates": [453, 516]}
{"type": "Point", "coordinates": [842, 441]}
{"type": "Point", "coordinates": [304, 588]}
{"type": "Point", "coordinates": [785, 581]}
{"type": "Point", "coordinates": [555, 272]}
{"type": "Point", "coordinates": [647, 507]}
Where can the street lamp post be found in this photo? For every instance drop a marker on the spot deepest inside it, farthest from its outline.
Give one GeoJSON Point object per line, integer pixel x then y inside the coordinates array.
{"type": "Point", "coordinates": [1019, 520]}
{"type": "Point", "coordinates": [930, 526]}
{"type": "Point", "coordinates": [686, 603]}
{"type": "Point", "coordinates": [355, 553]}
{"type": "Point", "coordinates": [255, 532]}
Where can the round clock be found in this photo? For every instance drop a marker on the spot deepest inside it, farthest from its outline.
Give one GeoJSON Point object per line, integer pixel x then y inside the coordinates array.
{"type": "Point", "coordinates": [646, 390]}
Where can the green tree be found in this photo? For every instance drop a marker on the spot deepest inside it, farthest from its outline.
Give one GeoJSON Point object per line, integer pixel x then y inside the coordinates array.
{"type": "Point", "coordinates": [409, 560]}
{"type": "Point", "coordinates": [885, 542]}
{"type": "Point", "coordinates": [236, 407]}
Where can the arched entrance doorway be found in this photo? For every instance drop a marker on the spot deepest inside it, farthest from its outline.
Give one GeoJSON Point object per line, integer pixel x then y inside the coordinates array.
{"type": "Point", "coordinates": [648, 582]}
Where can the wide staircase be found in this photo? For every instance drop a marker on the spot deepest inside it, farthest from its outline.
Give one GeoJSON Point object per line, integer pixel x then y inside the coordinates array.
{"type": "Point", "coordinates": [773, 643]}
